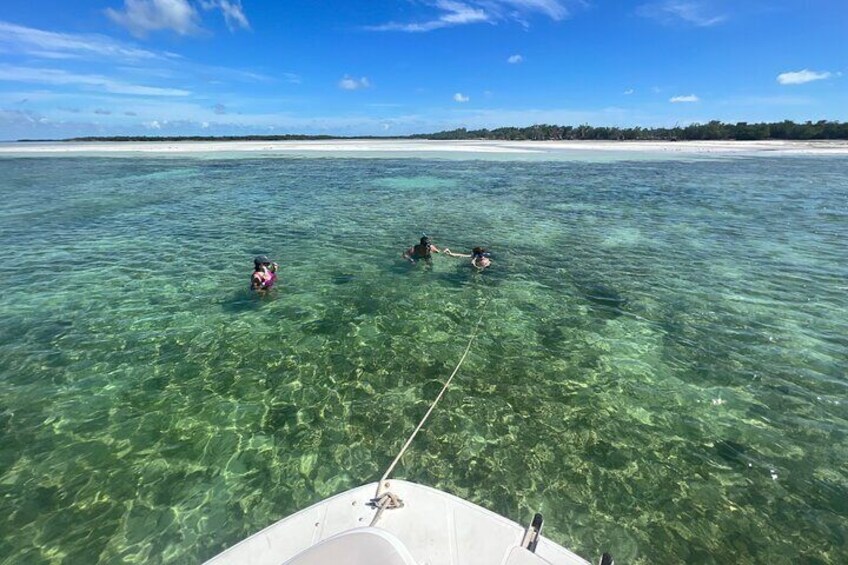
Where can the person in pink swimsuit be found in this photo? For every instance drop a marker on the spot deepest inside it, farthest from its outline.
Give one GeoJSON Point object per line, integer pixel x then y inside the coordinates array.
{"type": "Point", "coordinates": [264, 274]}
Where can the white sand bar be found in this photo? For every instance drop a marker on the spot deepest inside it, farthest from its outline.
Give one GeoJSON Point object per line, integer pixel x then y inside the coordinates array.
{"type": "Point", "coordinates": [425, 148]}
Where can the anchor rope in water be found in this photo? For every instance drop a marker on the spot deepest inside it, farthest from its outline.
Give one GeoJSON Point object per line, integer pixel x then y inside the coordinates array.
{"type": "Point", "coordinates": [433, 405]}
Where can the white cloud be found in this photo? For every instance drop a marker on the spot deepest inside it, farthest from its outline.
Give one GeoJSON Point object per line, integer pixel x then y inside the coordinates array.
{"type": "Point", "coordinates": [154, 124]}
{"type": "Point", "coordinates": [349, 83]}
{"type": "Point", "coordinates": [129, 59]}
{"type": "Point", "coordinates": [628, 92]}
{"type": "Point", "coordinates": [53, 45]}
{"type": "Point", "coordinates": [143, 16]}
{"type": "Point", "coordinates": [454, 13]}
{"type": "Point", "coordinates": [515, 59]}
{"type": "Point", "coordinates": [460, 97]}
{"type": "Point", "coordinates": [687, 98]}
{"type": "Point", "coordinates": [554, 9]}
{"type": "Point", "coordinates": [692, 12]}
{"type": "Point", "coordinates": [60, 77]}
{"type": "Point", "coordinates": [232, 11]}
{"type": "Point", "coordinates": [801, 77]}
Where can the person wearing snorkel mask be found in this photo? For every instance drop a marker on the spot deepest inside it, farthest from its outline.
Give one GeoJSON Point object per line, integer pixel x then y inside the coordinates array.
{"type": "Point", "coordinates": [264, 274]}
{"type": "Point", "coordinates": [479, 257]}
{"type": "Point", "coordinates": [422, 251]}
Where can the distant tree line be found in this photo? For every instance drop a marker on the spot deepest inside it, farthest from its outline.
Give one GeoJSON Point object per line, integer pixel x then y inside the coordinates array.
{"type": "Point", "coordinates": [714, 130]}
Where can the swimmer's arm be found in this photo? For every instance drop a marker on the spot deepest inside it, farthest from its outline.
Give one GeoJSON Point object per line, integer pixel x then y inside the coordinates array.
{"type": "Point", "coordinates": [452, 254]}
{"type": "Point", "coordinates": [435, 249]}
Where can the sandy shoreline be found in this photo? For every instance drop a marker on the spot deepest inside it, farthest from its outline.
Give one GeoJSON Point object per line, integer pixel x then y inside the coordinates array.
{"type": "Point", "coordinates": [425, 146]}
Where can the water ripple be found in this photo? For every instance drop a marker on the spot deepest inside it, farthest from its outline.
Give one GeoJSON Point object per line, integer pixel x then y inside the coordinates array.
{"type": "Point", "coordinates": [661, 369]}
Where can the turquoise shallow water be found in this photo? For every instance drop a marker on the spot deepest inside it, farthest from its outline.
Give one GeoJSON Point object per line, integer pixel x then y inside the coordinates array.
{"type": "Point", "coordinates": [662, 367]}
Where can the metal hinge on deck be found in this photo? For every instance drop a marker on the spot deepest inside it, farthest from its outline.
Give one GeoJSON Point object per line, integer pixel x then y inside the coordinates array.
{"type": "Point", "coordinates": [533, 533]}
{"type": "Point", "coordinates": [606, 559]}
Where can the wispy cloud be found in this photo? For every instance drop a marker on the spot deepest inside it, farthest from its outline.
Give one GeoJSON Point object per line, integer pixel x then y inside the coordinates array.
{"type": "Point", "coordinates": [451, 13]}
{"type": "Point", "coordinates": [691, 12]}
{"type": "Point", "coordinates": [350, 83]}
{"type": "Point", "coordinates": [803, 76]}
{"type": "Point", "coordinates": [515, 59]}
{"type": "Point", "coordinates": [628, 92]}
{"type": "Point", "coordinates": [683, 99]}
{"type": "Point", "coordinates": [18, 117]}
{"type": "Point", "coordinates": [232, 11]}
{"type": "Point", "coordinates": [461, 98]}
{"type": "Point", "coordinates": [61, 77]}
{"type": "Point", "coordinates": [182, 117]}
{"type": "Point", "coordinates": [180, 16]}
{"type": "Point", "coordinates": [53, 45]}
{"type": "Point", "coordinates": [127, 58]}
{"type": "Point", "coordinates": [144, 16]}
{"type": "Point", "coordinates": [554, 9]}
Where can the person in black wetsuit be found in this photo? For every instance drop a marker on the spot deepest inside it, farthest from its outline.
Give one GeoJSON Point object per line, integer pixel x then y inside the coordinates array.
{"type": "Point", "coordinates": [422, 251]}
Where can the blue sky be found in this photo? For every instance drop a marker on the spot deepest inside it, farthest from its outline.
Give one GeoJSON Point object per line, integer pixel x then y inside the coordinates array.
{"type": "Point", "coordinates": [383, 67]}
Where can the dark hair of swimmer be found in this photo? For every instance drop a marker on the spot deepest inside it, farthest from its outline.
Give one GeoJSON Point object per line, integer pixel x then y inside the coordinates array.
{"type": "Point", "coordinates": [425, 240]}
{"type": "Point", "coordinates": [478, 252]}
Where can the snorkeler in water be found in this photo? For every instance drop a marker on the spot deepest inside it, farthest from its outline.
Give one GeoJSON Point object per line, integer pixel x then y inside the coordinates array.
{"type": "Point", "coordinates": [264, 274]}
{"type": "Point", "coordinates": [422, 251]}
{"type": "Point", "coordinates": [479, 257]}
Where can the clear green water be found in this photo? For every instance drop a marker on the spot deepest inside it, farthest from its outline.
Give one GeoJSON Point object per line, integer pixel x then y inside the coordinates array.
{"type": "Point", "coordinates": [662, 367]}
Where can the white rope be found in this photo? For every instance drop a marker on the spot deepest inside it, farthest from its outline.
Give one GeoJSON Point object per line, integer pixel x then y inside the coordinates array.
{"type": "Point", "coordinates": [391, 468]}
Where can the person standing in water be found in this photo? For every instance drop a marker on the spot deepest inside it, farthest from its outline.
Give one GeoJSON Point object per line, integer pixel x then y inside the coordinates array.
{"type": "Point", "coordinates": [479, 257]}
{"type": "Point", "coordinates": [423, 250]}
{"type": "Point", "coordinates": [264, 274]}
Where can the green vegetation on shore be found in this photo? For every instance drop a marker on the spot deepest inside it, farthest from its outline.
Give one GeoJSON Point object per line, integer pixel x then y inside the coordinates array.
{"type": "Point", "coordinates": [715, 130]}
{"type": "Point", "coordinates": [712, 131]}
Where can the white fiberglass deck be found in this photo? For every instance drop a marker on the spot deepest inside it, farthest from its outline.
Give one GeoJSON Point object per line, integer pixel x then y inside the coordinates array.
{"type": "Point", "coordinates": [432, 528]}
